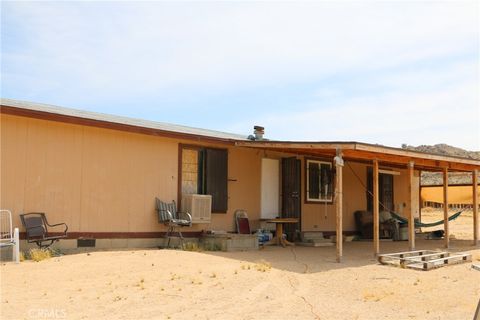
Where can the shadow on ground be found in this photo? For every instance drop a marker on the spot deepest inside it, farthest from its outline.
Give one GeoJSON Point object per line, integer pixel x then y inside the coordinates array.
{"type": "Point", "coordinates": [318, 259]}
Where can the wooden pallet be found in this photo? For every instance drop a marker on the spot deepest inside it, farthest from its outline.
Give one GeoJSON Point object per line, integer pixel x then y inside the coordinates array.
{"type": "Point", "coordinates": [423, 259]}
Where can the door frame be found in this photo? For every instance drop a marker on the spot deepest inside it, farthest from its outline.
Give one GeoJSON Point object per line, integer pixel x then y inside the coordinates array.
{"type": "Point", "coordinates": [296, 213]}
{"type": "Point", "coordinates": [381, 189]}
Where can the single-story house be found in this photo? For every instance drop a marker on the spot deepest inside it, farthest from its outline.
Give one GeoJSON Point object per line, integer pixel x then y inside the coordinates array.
{"type": "Point", "coordinates": [101, 173]}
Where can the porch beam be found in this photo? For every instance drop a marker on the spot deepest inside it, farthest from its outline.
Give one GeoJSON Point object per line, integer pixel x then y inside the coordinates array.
{"type": "Point", "coordinates": [421, 163]}
{"type": "Point", "coordinates": [411, 218]}
{"type": "Point", "coordinates": [376, 221]}
{"type": "Point", "coordinates": [445, 207]}
{"type": "Point", "coordinates": [476, 223]}
{"type": "Point", "coordinates": [338, 204]}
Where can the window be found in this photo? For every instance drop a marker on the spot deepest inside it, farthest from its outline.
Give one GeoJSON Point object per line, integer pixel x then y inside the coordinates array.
{"type": "Point", "coordinates": [205, 171]}
{"type": "Point", "coordinates": [319, 181]}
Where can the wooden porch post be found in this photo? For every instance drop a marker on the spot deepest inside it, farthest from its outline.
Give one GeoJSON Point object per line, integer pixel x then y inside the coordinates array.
{"type": "Point", "coordinates": [411, 218]}
{"type": "Point", "coordinates": [445, 207]}
{"type": "Point", "coordinates": [338, 204]}
{"type": "Point", "coordinates": [376, 221]}
{"type": "Point", "coordinates": [476, 223]}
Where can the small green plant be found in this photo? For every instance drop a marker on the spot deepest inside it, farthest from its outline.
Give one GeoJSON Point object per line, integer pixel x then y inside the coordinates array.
{"type": "Point", "coordinates": [39, 254]}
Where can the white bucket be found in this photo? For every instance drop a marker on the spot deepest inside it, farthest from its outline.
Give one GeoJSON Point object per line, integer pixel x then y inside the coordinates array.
{"type": "Point", "coordinates": [403, 230]}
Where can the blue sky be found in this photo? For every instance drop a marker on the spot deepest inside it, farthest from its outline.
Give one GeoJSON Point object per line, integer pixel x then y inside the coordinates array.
{"type": "Point", "coordinates": [372, 71]}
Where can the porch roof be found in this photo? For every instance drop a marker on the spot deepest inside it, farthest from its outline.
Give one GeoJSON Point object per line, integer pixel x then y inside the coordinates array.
{"type": "Point", "coordinates": [364, 152]}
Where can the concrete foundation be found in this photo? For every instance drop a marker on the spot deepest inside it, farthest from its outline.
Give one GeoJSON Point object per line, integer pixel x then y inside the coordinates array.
{"type": "Point", "coordinates": [229, 242]}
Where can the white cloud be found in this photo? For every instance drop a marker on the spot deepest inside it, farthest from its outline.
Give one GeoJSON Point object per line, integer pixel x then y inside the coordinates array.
{"type": "Point", "coordinates": [89, 52]}
{"type": "Point", "coordinates": [450, 117]}
{"type": "Point", "coordinates": [152, 46]}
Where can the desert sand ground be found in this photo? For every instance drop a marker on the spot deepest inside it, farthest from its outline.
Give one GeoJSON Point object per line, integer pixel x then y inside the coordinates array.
{"type": "Point", "coordinates": [302, 283]}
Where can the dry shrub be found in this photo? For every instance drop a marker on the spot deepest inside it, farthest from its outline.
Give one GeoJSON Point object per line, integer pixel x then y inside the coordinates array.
{"type": "Point", "coordinates": [263, 266]}
{"type": "Point", "coordinates": [22, 256]}
{"type": "Point", "coordinates": [191, 246]}
{"type": "Point", "coordinates": [39, 254]}
{"type": "Point", "coordinates": [245, 267]}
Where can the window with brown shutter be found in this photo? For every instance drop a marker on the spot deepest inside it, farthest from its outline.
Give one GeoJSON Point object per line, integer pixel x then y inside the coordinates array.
{"type": "Point", "coordinates": [205, 171]}
{"type": "Point", "coordinates": [216, 178]}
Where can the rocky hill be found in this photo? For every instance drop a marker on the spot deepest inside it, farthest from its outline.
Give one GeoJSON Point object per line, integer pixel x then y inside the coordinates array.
{"type": "Point", "coordinates": [435, 178]}
{"type": "Point", "coordinates": [445, 149]}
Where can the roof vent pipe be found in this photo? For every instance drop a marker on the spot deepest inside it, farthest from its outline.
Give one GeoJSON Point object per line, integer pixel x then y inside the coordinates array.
{"type": "Point", "coordinates": [258, 131]}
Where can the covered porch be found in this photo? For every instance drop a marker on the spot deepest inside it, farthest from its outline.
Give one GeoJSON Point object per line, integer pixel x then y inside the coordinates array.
{"type": "Point", "coordinates": [379, 159]}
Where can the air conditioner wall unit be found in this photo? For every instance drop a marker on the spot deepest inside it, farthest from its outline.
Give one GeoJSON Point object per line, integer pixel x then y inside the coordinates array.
{"type": "Point", "coordinates": [199, 206]}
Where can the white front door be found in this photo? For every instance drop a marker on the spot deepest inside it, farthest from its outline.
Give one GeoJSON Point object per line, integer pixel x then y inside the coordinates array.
{"type": "Point", "coordinates": [270, 188]}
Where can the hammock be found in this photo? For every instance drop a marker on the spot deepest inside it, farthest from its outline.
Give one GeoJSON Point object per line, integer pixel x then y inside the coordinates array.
{"type": "Point", "coordinates": [419, 224]}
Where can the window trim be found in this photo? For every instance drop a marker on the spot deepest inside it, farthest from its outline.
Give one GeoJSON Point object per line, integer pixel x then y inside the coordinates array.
{"type": "Point", "coordinates": [182, 146]}
{"type": "Point", "coordinates": [307, 200]}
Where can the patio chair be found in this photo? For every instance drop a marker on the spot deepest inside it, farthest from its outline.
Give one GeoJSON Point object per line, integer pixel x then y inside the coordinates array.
{"type": "Point", "coordinates": [364, 223]}
{"type": "Point", "coordinates": [7, 237]}
{"type": "Point", "coordinates": [36, 226]}
{"type": "Point", "coordinates": [241, 221]}
{"type": "Point", "coordinates": [170, 217]}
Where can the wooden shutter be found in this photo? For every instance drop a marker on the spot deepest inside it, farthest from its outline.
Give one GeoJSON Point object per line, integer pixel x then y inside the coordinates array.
{"type": "Point", "coordinates": [216, 176]}
{"type": "Point", "coordinates": [313, 180]}
{"type": "Point", "coordinates": [370, 189]}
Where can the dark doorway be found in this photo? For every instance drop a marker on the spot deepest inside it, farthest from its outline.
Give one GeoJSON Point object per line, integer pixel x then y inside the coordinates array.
{"type": "Point", "coordinates": [291, 189]}
{"type": "Point", "coordinates": [385, 189]}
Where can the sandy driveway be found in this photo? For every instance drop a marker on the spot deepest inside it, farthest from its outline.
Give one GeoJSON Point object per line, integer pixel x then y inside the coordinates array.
{"type": "Point", "coordinates": [302, 283]}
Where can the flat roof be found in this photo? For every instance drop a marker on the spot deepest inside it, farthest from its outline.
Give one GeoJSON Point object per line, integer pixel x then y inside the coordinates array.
{"type": "Point", "coordinates": [108, 118]}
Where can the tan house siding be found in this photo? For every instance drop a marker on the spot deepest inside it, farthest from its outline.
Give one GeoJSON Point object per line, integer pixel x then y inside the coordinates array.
{"type": "Point", "coordinates": [101, 180]}
{"type": "Point", "coordinates": [104, 180]}
{"type": "Point", "coordinates": [403, 204]}
{"type": "Point", "coordinates": [321, 217]}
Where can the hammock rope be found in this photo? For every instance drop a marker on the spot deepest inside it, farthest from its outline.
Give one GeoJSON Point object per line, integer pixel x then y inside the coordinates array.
{"type": "Point", "coordinates": [401, 219]}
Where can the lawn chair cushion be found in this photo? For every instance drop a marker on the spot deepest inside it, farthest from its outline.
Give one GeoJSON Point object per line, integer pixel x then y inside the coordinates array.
{"type": "Point", "coordinates": [164, 209]}
{"type": "Point", "coordinates": [181, 222]}
{"type": "Point", "coordinates": [243, 226]}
